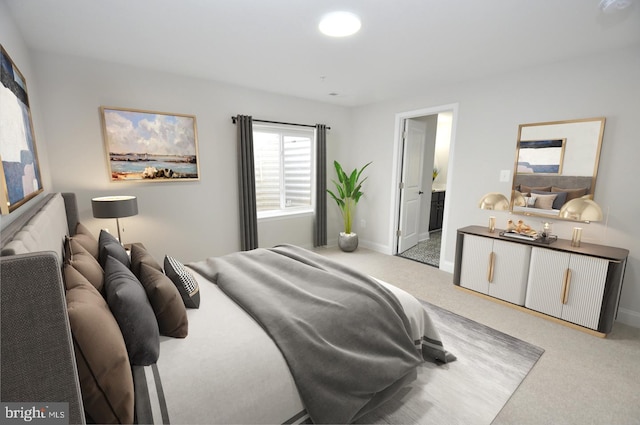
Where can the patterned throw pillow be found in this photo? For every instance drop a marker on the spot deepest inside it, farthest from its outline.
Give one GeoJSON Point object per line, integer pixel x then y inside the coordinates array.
{"type": "Point", "coordinates": [184, 280]}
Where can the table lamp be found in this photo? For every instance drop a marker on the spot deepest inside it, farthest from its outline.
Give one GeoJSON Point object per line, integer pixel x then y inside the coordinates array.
{"type": "Point", "coordinates": [580, 209]}
{"type": "Point", "coordinates": [493, 201]}
{"type": "Point", "coordinates": [115, 207]}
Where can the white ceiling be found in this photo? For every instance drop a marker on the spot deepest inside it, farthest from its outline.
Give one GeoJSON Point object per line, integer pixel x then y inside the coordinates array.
{"type": "Point", "coordinates": [404, 46]}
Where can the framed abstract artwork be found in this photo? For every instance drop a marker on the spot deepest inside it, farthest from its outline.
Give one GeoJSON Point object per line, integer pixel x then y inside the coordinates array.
{"type": "Point", "coordinates": [20, 171]}
{"type": "Point", "coordinates": [541, 156]}
{"type": "Point", "coordinates": [150, 146]}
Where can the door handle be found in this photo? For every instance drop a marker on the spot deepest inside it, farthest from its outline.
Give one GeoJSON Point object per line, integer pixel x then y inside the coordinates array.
{"type": "Point", "coordinates": [420, 192]}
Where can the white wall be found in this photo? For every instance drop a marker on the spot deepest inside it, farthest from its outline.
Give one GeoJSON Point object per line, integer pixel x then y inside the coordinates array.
{"type": "Point", "coordinates": [190, 220]}
{"type": "Point", "coordinates": [489, 113]}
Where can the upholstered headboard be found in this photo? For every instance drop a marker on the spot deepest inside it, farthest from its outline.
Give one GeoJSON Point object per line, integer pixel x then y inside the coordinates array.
{"type": "Point", "coordinates": [38, 361]}
{"type": "Point", "coordinates": [564, 182]}
{"type": "Point", "coordinates": [42, 227]}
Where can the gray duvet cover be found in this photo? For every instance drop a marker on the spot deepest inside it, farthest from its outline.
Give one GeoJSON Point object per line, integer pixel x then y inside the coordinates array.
{"type": "Point", "coordinates": [346, 338]}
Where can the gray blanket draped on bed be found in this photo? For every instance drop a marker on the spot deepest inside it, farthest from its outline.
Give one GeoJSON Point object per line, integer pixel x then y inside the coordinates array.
{"type": "Point", "coordinates": [345, 337]}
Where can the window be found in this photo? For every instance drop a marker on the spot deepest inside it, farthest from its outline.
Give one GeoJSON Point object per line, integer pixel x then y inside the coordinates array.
{"type": "Point", "coordinates": [284, 170]}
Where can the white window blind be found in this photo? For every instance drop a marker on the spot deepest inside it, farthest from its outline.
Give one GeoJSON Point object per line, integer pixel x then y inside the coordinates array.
{"type": "Point", "coordinates": [283, 159]}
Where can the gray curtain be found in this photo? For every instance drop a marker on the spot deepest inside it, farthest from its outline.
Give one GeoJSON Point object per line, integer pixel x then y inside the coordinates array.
{"type": "Point", "coordinates": [320, 222]}
{"type": "Point", "coordinates": [247, 184]}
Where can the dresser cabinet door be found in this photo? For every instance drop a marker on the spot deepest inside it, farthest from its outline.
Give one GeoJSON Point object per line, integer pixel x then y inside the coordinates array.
{"type": "Point", "coordinates": [476, 257]}
{"type": "Point", "coordinates": [495, 268]}
{"type": "Point", "coordinates": [567, 286]}
{"type": "Point", "coordinates": [585, 290]}
{"type": "Point", "coordinates": [545, 284]}
{"type": "Point", "coordinates": [510, 271]}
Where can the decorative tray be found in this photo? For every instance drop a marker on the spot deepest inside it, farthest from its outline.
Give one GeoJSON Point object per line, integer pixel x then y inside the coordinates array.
{"type": "Point", "coordinates": [531, 238]}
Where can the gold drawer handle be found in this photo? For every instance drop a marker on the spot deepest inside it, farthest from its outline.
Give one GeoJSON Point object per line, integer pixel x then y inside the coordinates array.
{"type": "Point", "coordinates": [492, 259]}
{"type": "Point", "coordinates": [565, 286]}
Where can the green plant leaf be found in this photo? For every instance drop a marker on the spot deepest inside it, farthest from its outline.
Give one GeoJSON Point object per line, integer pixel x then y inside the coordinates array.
{"type": "Point", "coordinates": [341, 174]}
{"type": "Point", "coordinates": [349, 192]}
{"type": "Point", "coordinates": [362, 169]}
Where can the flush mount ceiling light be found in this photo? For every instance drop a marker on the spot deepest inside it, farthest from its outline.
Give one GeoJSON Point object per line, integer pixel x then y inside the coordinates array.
{"type": "Point", "coordinates": [609, 6]}
{"type": "Point", "coordinates": [339, 24]}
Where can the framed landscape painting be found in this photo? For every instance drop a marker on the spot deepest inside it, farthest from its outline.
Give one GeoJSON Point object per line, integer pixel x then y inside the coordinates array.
{"type": "Point", "coordinates": [20, 171]}
{"type": "Point", "coordinates": [150, 146]}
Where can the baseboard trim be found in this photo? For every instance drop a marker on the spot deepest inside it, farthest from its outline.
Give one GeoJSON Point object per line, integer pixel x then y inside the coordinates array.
{"type": "Point", "coordinates": [447, 266]}
{"type": "Point", "coordinates": [374, 246]}
{"type": "Point", "coordinates": [628, 317]}
{"type": "Point", "coordinates": [363, 243]}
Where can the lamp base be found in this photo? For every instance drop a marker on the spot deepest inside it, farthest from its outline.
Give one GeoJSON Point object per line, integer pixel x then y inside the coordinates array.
{"type": "Point", "coordinates": [492, 224]}
{"type": "Point", "coordinates": [119, 236]}
{"type": "Point", "coordinates": [576, 235]}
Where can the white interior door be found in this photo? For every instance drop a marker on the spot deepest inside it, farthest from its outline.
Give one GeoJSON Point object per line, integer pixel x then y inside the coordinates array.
{"type": "Point", "coordinates": [412, 165]}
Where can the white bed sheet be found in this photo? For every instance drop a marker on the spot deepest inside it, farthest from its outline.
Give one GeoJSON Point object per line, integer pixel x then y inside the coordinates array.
{"type": "Point", "coordinates": [229, 371]}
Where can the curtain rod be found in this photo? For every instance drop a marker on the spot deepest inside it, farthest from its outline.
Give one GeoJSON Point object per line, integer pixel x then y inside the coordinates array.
{"type": "Point", "coordinates": [279, 122]}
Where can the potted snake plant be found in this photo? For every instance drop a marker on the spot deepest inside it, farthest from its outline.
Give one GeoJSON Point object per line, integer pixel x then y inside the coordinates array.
{"type": "Point", "coordinates": [348, 193]}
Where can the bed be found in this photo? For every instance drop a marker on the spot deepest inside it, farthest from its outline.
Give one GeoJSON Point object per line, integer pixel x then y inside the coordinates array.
{"type": "Point", "coordinates": [324, 356]}
{"type": "Point", "coordinates": [547, 193]}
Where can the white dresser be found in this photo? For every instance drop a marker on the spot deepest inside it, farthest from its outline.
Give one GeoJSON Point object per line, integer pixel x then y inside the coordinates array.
{"type": "Point", "coordinates": [576, 286]}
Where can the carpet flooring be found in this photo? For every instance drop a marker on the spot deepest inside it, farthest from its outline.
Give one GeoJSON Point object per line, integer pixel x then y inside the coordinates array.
{"type": "Point", "coordinates": [579, 380]}
{"type": "Point", "coordinates": [427, 251]}
{"type": "Point", "coordinates": [473, 389]}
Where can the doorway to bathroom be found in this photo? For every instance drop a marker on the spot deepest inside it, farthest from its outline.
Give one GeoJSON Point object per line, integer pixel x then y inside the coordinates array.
{"type": "Point", "coordinates": [423, 164]}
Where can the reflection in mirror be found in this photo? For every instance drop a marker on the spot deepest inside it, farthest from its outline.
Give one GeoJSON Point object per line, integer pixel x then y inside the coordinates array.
{"type": "Point", "coordinates": [541, 156]}
{"type": "Point", "coordinates": [555, 163]}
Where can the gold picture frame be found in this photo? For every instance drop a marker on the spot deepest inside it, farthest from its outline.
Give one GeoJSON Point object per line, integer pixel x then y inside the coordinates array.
{"type": "Point", "coordinates": [20, 172]}
{"type": "Point", "coordinates": [150, 146]}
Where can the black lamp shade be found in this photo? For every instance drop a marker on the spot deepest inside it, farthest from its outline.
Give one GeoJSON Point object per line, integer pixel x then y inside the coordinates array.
{"type": "Point", "coordinates": [114, 206]}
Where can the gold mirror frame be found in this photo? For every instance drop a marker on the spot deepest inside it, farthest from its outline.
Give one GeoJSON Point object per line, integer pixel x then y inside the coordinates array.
{"type": "Point", "coordinates": [573, 177]}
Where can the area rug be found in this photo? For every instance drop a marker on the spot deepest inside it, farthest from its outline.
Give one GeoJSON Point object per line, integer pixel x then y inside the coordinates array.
{"type": "Point", "coordinates": [473, 389]}
{"type": "Point", "coordinates": [427, 251]}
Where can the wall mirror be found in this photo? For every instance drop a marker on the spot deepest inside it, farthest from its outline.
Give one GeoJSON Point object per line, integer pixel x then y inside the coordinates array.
{"type": "Point", "coordinates": [555, 162]}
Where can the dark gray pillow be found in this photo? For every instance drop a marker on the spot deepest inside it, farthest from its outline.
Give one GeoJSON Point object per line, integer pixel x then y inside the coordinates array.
{"type": "Point", "coordinates": [184, 280]}
{"type": "Point", "coordinates": [133, 312]}
{"type": "Point", "coordinates": [110, 246]}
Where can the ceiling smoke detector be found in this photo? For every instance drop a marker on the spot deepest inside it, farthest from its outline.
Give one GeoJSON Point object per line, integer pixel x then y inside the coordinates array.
{"type": "Point", "coordinates": [610, 6]}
